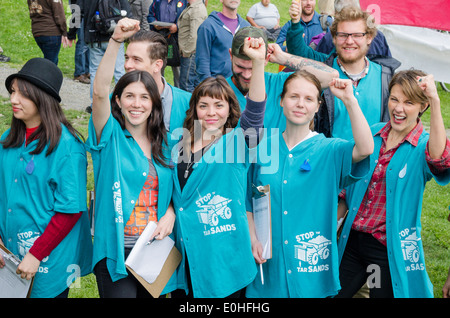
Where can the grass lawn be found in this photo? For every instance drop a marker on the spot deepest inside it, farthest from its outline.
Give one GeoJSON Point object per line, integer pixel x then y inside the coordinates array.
{"type": "Point", "coordinates": [18, 43]}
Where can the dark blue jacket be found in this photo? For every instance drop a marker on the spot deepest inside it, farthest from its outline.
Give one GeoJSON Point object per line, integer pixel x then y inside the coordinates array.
{"type": "Point", "coordinates": [154, 12]}
{"type": "Point", "coordinates": [214, 40]}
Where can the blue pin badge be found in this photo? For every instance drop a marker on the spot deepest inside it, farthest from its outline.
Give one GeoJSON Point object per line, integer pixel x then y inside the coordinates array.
{"type": "Point", "coordinates": [30, 166]}
{"type": "Point", "coordinates": [305, 166]}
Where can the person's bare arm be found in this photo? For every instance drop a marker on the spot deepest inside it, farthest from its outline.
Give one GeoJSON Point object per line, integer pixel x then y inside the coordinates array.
{"type": "Point", "coordinates": [101, 108]}
{"type": "Point", "coordinates": [323, 72]}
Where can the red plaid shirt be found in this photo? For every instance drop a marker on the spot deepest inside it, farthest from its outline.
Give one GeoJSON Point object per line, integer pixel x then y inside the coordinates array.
{"type": "Point", "coordinates": [371, 216]}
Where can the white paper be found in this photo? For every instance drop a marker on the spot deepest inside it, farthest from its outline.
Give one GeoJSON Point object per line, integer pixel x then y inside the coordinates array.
{"type": "Point", "coordinates": [161, 24]}
{"type": "Point", "coordinates": [261, 217]}
{"type": "Point", "coordinates": [11, 284]}
{"type": "Point", "coordinates": [148, 260]}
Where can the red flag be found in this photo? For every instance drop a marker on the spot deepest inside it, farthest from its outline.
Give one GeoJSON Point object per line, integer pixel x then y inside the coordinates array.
{"type": "Point", "coordinates": [433, 14]}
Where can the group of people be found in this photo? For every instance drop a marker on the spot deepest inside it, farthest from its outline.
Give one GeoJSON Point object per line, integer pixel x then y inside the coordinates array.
{"type": "Point", "coordinates": [191, 163]}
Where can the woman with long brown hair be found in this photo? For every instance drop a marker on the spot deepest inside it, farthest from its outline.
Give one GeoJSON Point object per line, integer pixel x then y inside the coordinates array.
{"type": "Point", "coordinates": [43, 214]}
{"type": "Point", "coordinates": [133, 183]}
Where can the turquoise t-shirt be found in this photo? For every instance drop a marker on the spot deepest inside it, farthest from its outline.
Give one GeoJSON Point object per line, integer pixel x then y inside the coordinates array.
{"type": "Point", "coordinates": [273, 117]}
{"type": "Point", "coordinates": [33, 188]}
{"type": "Point", "coordinates": [303, 197]}
{"type": "Point", "coordinates": [211, 225]}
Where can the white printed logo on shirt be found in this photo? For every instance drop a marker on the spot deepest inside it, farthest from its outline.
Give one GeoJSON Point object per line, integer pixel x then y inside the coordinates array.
{"type": "Point", "coordinates": [214, 209]}
{"type": "Point", "coordinates": [410, 249]}
{"type": "Point", "coordinates": [117, 199]}
{"type": "Point", "coordinates": [25, 241]}
{"type": "Point", "coordinates": [313, 250]}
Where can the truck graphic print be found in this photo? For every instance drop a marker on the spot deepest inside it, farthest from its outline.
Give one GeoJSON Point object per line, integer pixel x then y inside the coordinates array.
{"type": "Point", "coordinates": [216, 207]}
{"type": "Point", "coordinates": [313, 250]}
{"type": "Point", "coordinates": [411, 249]}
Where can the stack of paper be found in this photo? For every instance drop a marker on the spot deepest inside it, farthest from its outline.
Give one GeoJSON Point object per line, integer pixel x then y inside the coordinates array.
{"type": "Point", "coordinates": [11, 284]}
{"type": "Point", "coordinates": [153, 263]}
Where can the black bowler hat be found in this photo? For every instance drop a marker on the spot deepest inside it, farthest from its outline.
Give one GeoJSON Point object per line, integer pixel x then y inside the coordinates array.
{"type": "Point", "coordinates": [42, 73]}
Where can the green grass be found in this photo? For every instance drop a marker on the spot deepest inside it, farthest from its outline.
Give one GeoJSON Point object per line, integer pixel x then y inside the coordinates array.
{"type": "Point", "coordinates": [18, 43]}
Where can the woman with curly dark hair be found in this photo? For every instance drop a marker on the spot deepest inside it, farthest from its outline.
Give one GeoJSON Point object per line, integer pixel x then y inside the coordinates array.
{"type": "Point", "coordinates": [210, 177]}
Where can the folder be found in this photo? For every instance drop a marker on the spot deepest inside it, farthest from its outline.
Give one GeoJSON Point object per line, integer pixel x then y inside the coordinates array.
{"type": "Point", "coordinates": [263, 218]}
{"type": "Point", "coordinates": [171, 264]}
{"type": "Point", "coordinates": [12, 285]}
{"type": "Point", "coordinates": [153, 263]}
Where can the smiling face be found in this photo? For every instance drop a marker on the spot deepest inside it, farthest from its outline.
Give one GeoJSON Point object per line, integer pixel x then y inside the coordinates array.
{"type": "Point", "coordinates": [300, 102]}
{"type": "Point", "coordinates": [137, 58]}
{"type": "Point", "coordinates": [308, 7]}
{"type": "Point", "coordinates": [231, 4]}
{"type": "Point", "coordinates": [212, 114]}
{"type": "Point", "coordinates": [242, 73]}
{"type": "Point", "coordinates": [135, 104]}
{"type": "Point", "coordinates": [24, 108]}
{"type": "Point", "coordinates": [403, 111]}
{"type": "Point", "coordinates": [351, 50]}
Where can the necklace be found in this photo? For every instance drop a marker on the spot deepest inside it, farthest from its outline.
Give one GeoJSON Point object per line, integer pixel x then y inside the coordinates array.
{"type": "Point", "coordinates": [355, 78]}
{"type": "Point", "coordinates": [192, 157]}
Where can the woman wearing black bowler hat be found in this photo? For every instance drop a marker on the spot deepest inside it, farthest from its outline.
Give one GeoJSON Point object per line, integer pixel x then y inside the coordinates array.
{"type": "Point", "coordinates": [43, 214]}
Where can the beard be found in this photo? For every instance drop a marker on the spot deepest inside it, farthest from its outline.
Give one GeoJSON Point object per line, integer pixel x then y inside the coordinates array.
{"type": "Point", "coordinates": [308, 12]}
{"type": "Point", "coordinates": [237, 82]}
{"type": "Point", "coordinates": [348, 60]}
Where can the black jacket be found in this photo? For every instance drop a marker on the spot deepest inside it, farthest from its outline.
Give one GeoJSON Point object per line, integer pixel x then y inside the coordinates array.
{"type": "Point", "coordinates": [88, 8]}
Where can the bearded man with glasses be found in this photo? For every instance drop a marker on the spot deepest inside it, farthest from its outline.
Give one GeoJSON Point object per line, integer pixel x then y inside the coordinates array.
{"type": "Point", "coordinates": [353, 31]}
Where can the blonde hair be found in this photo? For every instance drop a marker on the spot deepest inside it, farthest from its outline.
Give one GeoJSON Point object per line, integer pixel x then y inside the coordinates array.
{"type": "Point", "coordinates": [354, 14]}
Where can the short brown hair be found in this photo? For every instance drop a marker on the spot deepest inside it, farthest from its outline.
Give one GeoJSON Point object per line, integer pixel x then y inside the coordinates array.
{"type": "Point", "coordinates": [157, 45]}
{"type": "Point", "coordinates": [407, 80]}
{"type": "Point", "coordinates": [354, 14]}
{"type": "Point", "coordinates": [215, 87]}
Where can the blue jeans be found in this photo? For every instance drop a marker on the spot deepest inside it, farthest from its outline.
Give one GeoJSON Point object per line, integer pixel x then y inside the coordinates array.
{"type": "Point", "coordinates": [96, 53]}
{"type": "Point", "coordinates": [81, 53]}
{"type": "Point", "coordinates": [188, 76]}
{"type": "Point", "coordinates": [50, 46]}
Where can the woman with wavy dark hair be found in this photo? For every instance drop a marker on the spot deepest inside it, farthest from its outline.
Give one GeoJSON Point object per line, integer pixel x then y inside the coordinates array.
{"type": "Point", "coordinates": [217, 88]}
{"type": "Point", "coordinates": [210, 179]}
{"type": "Point", "coordinates": [43, 209]}
{"type": "Point", "coordinates": [127, 140]}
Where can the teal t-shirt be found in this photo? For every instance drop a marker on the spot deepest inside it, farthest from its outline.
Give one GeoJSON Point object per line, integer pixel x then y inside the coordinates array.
{"type": "Point", "coordinates": [407, 173]}
{"type": "Point", "coordinates": [303, 198]}
{"type": "Point", "coordinates": [211, 226]}
{"type": "Point", "coordinates": [273, 117]}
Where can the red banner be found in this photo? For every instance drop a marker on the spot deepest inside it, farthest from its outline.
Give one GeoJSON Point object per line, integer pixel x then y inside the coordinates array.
{"type": "Point", "coordinates": [433, 14]}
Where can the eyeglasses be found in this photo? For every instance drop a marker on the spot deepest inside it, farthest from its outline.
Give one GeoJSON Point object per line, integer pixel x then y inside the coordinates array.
{"type": "Point", "coordinates": [342, 36]}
